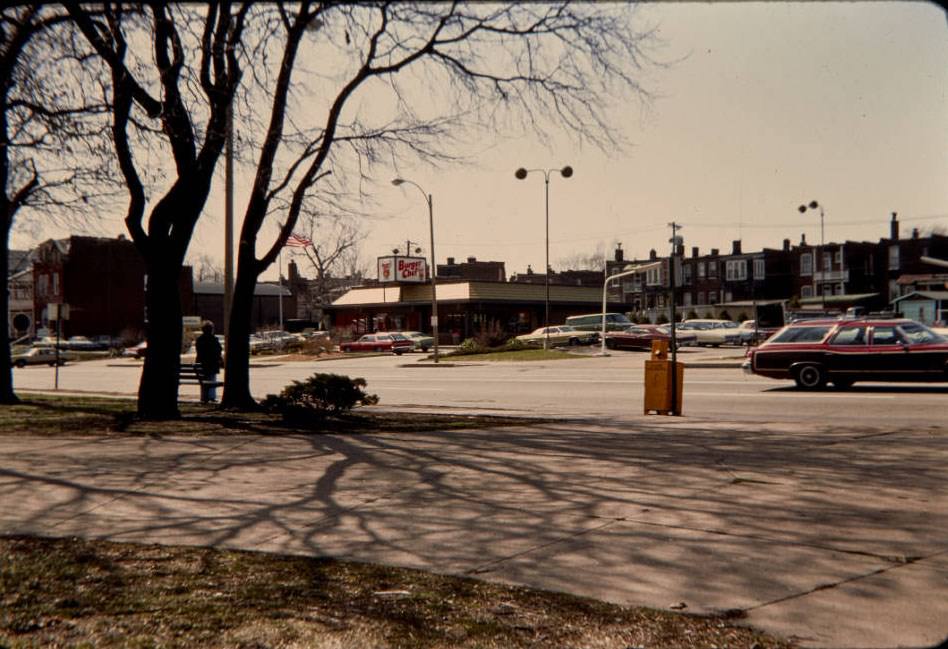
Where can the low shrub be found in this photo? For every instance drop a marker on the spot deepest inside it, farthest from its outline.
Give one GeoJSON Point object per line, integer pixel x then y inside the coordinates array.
{"type": "Point", "coordinates": [514, 345]}
{"type": "Point", "coordinates": [318, 396]}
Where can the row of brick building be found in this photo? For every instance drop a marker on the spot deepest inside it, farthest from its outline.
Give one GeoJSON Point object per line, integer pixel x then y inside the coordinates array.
{"type": "Point", "coordinates": [833, 276]}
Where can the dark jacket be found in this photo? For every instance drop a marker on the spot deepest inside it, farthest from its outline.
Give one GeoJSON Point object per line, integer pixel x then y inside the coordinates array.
{"type": "Point", "coordinates": [208, 353]}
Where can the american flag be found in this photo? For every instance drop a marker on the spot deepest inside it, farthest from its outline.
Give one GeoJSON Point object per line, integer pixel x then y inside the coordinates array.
{"type": "Point", "coordinates": [298, 241]}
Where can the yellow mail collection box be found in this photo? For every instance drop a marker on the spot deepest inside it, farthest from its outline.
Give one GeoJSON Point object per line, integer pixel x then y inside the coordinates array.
{"type": "Point", "coordinates": [658, 381]}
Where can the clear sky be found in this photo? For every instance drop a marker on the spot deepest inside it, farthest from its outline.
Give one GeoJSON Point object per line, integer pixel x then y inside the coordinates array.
{"type": "Point", "coordinates": [764, 106]}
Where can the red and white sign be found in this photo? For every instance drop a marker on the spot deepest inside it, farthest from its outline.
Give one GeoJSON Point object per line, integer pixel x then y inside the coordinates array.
{"type": "Point", "coordinates": [412, 270]}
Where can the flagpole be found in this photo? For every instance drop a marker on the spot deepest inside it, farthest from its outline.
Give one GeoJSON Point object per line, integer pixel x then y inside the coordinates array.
{"type": "Point", "coordinates": [280, 284]}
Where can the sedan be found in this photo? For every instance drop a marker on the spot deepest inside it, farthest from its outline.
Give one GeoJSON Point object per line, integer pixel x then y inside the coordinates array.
{"type": "Point", "coordinates": [815, 352]}
{"type": "Point", "coordinates": [713, 333]}
{"type": "Point", "coordinates": [40, 356]}
{"type": "Point", "coordinates": [379, 342]}
{"type": "Point", "coordinates": [642, 336]}
{"type": "Point", "coordinates": [560, 335]}
{"type": "Point", "coordinates": [423, 342]}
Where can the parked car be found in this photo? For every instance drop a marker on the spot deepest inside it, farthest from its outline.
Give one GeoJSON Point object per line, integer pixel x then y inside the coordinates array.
{"type": "Point", "coordinates": [136, 351]}
{"type": "Point", "coordinates": [713, 333]}
{"type": "Point", "coordinates": [748, 336]}
{"type": "Point", "coordinates": [684, 337]}
{"type": "Point", "coordinates": [593, 322]}
{"type": "Point", "coordinates": [81, 343]}
{"type": "Point", "coordinates": [379, 342]}
{"type": "Point", "coordinates": [814, 352]}
{"type": "Point", "coordinates": [559, 335]}
{"type": "Point", "coordinates": [260, 344]}
{"type": "Point", "coordinates": [635, 337]}
{"type": "Point", "coordinates": [40, 356]}
{"type": "Point", "coordinates": [281, 340]}
{"type": "Point", "coordinates": [423, 342]}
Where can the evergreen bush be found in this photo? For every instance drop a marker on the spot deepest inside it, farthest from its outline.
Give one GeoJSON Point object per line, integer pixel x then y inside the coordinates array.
{"type": "Point", "coordinates": [318, 396]}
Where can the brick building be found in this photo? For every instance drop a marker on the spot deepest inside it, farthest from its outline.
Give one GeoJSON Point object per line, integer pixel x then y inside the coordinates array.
{"type": "Point", "coordinates": [103, 282]}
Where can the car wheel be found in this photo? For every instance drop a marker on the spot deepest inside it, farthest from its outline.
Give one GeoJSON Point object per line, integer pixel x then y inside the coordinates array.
{"type": "Point", "coordinates": [610, 344]}
{"type": "Point", "coordinates": [399, 352]}
{"type": "Point", "coordinates": [424, 349]}
{"type": "Point", "coordinates": [20, 363]}
{"type": "Point", "coordinates": [810, 377]}
{"type": "Point", "coordinates": [573, 342]}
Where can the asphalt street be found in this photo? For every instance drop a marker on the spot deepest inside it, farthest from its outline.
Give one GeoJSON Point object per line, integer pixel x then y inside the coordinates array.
{"type": "Point", "coordinates": [587, 387]}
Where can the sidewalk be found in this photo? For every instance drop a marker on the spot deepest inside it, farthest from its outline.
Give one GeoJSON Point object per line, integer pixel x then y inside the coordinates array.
{"type": "Point", "coordinates": [830, 537]}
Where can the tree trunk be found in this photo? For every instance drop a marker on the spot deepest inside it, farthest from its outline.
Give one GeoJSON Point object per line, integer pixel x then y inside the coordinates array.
{"type": "Point", "coordinates": [158, 390]}
{"type": "Point", "coordinates": [7, 395]}
{"type": "Point", "coordinates": [237, 362]}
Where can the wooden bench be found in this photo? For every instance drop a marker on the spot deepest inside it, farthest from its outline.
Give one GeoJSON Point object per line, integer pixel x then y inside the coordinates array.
{"type": "Point", "coordinates": [193, 374]}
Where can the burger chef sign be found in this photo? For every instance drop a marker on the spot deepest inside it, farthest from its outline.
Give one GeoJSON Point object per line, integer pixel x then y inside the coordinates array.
{"type": "Point", "coordinates": [412, 270]}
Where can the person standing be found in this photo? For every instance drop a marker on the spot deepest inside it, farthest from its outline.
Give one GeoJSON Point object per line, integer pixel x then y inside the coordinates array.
{"type": "Point", "coordinates": [209, 357]}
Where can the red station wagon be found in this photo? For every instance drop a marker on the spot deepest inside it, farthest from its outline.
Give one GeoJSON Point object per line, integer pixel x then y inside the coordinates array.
{"type": "Point", "coordinates": [842, 352]}
{"type": "Point", "coordinates": [380, 342]}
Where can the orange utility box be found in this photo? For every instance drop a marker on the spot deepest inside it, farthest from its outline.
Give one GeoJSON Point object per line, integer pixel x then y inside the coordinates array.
{"type": "Point", "coordinates": [658, 382]}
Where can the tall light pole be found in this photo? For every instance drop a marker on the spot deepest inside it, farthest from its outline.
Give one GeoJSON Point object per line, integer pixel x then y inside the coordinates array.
{"type": "Point", "coordinates": [812, 206]}
{"type": "Point", "coordinates": [434, 293]}
{"type": "Point", "coordinates": [566, 172]}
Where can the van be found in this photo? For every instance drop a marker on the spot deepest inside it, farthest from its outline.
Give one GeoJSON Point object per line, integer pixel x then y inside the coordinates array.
{"type": "Point", "coordinates": [593, 322]}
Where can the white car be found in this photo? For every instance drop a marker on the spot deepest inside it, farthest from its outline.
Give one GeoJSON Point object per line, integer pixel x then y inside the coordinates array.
{"type": "Point", "coordinates": [713, 333]}
{"type": "Point", "coordinates": [561, 335]}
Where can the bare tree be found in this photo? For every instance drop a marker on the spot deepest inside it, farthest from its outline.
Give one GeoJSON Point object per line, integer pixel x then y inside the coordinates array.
{"type": "Point", "coordinates": [45, 125]}
{"type": "Point", "coordinates": [595, 260]}
{"type": "Point", "coordinates": [173, 71]}
{"type": "Point", "coordinates": [333, 254]}
{"type": "Point", "coordinates": [436, 71]}
{"type": "Point", "coordinates": [208, 269]}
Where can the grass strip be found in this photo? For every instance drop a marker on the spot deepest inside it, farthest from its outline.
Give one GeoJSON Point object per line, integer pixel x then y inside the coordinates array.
{"type": "Point", "coordinates": [79, 593]}
{"type": "Point", "coordinates": [47, 415]}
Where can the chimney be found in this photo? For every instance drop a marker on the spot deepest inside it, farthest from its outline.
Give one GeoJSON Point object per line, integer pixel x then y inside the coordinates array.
{"type": "Point", "coordinates": [714, 252]}
{"type": "Point", "coordinates": [694, 251]}
{"type": "Point", "coordinates": [529, 270]}
{"type": "Point", "coordinates": [915, 233]}
{"type": "Point", "coordinates": [786, 245]}
{"type": "Point", "coordinates": [894, 227]}
{"type": "Point", "coordinates": [652, 254]}
{"type": "Point", "coordinates": [620, 255]}
{"type": "Point", "coordinates": [293, 272]}
{"type": "Point", "coordinates": [450, 261]}
{"type": "Point", "coordinates": [736, 247]}
{"type": "Point", "coordinates": [802, 238]}
{"type": "Point", "coordinates": [471, 260]}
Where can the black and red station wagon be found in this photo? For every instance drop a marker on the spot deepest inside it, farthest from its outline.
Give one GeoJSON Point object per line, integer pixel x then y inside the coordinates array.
{"type": "Point", "coordinates": [842, 352]}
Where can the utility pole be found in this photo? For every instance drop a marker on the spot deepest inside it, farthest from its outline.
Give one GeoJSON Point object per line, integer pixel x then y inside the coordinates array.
{"type": "Point", "coordinates": [229, 221]}
{"type": "Point", "coordinates": [675, 242]}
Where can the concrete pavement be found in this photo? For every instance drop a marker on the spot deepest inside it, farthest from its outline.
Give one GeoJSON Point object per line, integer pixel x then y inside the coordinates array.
{"type": "Point", "coordinates": [834, 537]}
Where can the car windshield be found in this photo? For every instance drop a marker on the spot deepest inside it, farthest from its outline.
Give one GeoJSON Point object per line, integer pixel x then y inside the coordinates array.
{"type": "Point", "coordinates": [920, 334]}
{"type": "Point", "coordinates": [801, 335]}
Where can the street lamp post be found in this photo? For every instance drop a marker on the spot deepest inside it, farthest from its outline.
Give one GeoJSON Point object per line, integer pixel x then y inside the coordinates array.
{"type": "Point", "coordinates": [434, 283]}
{"type": "Point", "coordinates": [566, 172]}
{"type": "Point", "coordinates": [812, 206]}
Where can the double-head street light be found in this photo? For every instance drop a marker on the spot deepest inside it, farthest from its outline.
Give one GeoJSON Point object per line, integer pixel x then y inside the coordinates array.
{"type": "Point", "coordinates": [566, 172]}
{"type": "Point", "coordinates": [812, 205]}
{"type": "Point", "coordinates": [434, 293]}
